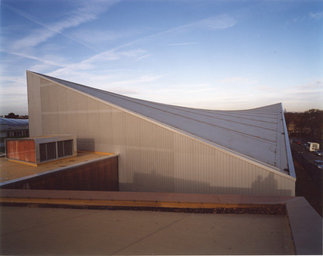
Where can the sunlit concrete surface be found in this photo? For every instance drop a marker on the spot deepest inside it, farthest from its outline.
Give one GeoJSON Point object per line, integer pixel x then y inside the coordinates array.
{"type": "Point", "coordinates": [73, 231]}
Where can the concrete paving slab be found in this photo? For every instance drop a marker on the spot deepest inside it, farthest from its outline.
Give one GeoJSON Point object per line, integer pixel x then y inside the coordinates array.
{"type": "Point", "coordinates": [27, 230]}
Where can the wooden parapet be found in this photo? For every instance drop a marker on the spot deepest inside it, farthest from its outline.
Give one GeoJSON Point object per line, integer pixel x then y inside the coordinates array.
{"type": "Point", "coordinates": [142, 200]}
{"type": "Point", "coordinates": [99, 174]}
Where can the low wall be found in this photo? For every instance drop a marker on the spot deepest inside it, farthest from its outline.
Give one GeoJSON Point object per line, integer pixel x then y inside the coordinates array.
{"type": "Point", "coordinates": [98, 175]}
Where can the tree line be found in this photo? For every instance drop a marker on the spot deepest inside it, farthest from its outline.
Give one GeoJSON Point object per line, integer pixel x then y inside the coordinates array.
{"type": "Point", "coordinates": [14, 116]}
{"type": "Point", "coordinates": [307, 125]}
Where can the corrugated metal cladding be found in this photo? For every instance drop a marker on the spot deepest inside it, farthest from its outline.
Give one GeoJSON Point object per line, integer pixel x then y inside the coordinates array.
{"type": "Point", "coordinates": [153, 157]}
{"type": "Point", "coordinates": [257, 133]}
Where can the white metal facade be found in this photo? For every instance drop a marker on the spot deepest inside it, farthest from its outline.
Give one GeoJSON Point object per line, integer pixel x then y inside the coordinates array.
{"type": "Point", "coordinates": [153, 156]}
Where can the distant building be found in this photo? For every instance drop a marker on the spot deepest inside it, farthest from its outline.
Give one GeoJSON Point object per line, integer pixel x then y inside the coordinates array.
{"type": "Point", "coordinates": [168, 148]}
{"type": "Point", "coordinates": [12, 128]}
{"type": "Point", "coordinates": [291, 127]}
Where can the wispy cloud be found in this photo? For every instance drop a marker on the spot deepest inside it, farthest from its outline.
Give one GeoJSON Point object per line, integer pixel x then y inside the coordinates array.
{"type": "Point", "coordinates": [142, 79]}
{"type": "Point", "coordinates": [298, 98]}
{"type": "Point", "coordinates": [212, 23]}
{"type": "Point", "coordinates": [88, 11]}
{"type": "Point", "coordinates": [316, 15]}
{"type": "Point", "coordinates": [215, 23]}
{"type": "Point", "coordinates": [182, 44]}
{"type": "Point", "coordinates": [237, 80]}
{"type": "Point", "coordinates": [97, 37]}
{"type": "Point", "coordinates": [126, 82]}
{"type": "Point", "coordinates": [143, 57]}
{"type": "Point", "coordinates": [54, 63]}
{"type": "Point", "coordinates": [16, 80]}
{"type": "Point", "coordinates": [100, 59]}
{"type": "Point", "coordinates": [314, 85]}
{"type": "Point", "coordinates": [13, 91]}
{"type": "Point", "coordinates": [47, 63]}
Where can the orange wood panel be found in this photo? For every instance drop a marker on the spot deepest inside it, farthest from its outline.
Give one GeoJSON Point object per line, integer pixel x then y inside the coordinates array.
{"type": "Point", "coordinates": [11, 148]}
{"type": "Point", "coordinates": [23, 150]}
{"type": "Point", "coordinates": [30, 154]}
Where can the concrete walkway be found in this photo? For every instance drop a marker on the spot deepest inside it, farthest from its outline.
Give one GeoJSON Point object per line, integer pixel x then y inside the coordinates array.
{"type": "Point", "coordinates": [73, 231]}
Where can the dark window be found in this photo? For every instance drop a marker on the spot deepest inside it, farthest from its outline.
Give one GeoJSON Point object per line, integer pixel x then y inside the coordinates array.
{"type": "Point", "coordinates": [68, 147]}
{"type": "Point", "coordinates": [47, 151]}
{"type": "Point", "coordinates": [42, 152]}
{"type": "Point", "coordinates": [60, 148]}
{"type": "Point", "coordinates": [65, 148]}
{"type": "Point", "coordinates": [51, 150]}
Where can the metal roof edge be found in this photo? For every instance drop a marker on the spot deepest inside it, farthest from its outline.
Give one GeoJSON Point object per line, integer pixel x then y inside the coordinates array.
{"type": "Point", "coordinates": [288, 150]}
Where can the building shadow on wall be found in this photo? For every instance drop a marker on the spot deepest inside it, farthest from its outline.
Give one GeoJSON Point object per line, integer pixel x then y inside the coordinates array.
{"type": "Point", "coordinates": [157, 183]}
{"type": "Point", "coordinates": [268, 182]}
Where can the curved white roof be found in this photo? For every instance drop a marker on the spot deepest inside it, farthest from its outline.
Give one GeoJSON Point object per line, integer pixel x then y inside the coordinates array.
{"type": "Point", "coordinates": [258, 133]}
{"type": "Point", "coordinates": [13, 123]}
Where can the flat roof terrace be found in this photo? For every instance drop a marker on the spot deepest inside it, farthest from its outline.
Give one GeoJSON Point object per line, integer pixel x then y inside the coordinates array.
{"type": "Point", "coordinates": [119, 232]}
{"type": "Point", "coordinates": [264, 228]}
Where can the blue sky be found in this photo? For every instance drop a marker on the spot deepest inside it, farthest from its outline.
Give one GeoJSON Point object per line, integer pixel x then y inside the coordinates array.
{"type": "Point", "coordinates": [212, 54]}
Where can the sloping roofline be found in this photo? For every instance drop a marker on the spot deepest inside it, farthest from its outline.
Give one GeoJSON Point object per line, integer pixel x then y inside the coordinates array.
{"type": "Point", "coordinates": [215, 124]}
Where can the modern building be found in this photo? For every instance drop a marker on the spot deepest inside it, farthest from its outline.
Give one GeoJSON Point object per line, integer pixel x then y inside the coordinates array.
{"type": "Point", "coordinates": [12, 128]}
{"type": "Point", "coordinates": [166, 148]}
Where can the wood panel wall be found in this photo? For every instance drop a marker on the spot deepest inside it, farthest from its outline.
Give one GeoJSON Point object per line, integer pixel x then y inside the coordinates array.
{"type": "Point", "coordinates": [23, 150]}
